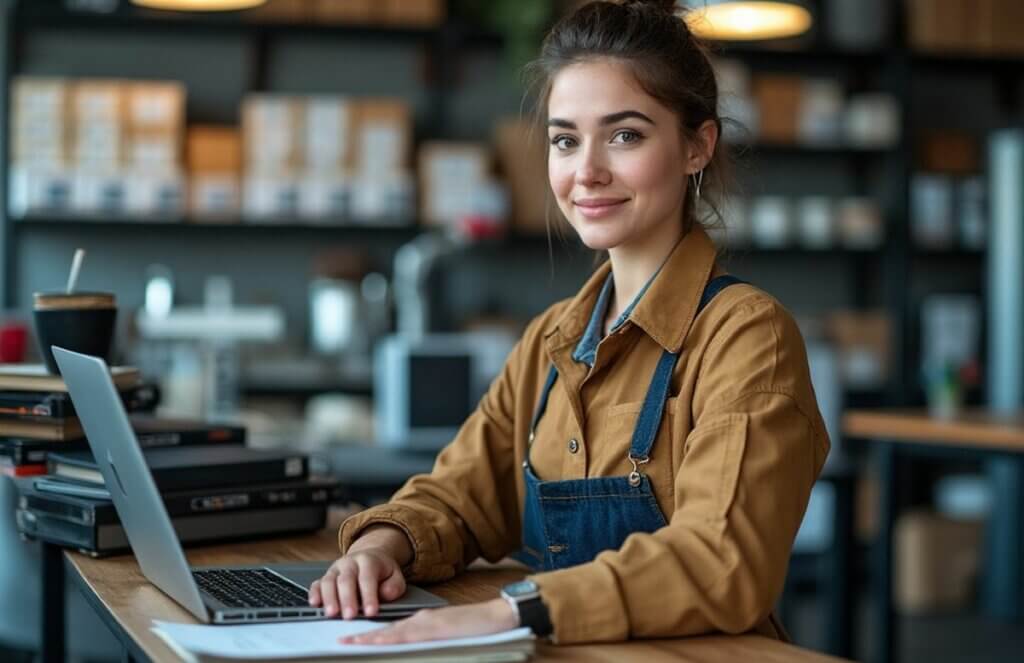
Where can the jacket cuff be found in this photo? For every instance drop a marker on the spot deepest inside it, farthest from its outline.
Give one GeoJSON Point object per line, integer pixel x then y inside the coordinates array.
{"type": "Point", "coordinates": [576, 616]}
{"type": "Point", "coordinates": [424, 565]}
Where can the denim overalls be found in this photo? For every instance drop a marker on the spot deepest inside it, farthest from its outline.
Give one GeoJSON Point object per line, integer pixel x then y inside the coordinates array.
{"type": "Point", "coordinates": [566, 523]}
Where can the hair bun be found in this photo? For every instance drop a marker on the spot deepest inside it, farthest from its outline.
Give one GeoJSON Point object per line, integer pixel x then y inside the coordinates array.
{"type": "Point", "coordinates": [667, 6]}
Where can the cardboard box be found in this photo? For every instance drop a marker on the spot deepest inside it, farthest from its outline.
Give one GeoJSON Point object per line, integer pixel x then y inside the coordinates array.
{"type": "Point", "coordinates": [99, 101]}
{"type": "Point", "coordinates": [937, 562]}
{"type": "Point", "coordinates": [272, 133]}
{"type": "Point", "coordinates": [37, 97]}
{"type": "Point", "coordinates": [412, 13]}
{"type": "Point", "coordinates": [154, 151]}
{"type": "Point", "coordinates": [328, 134]}
{"type": "Point", "coordinates": [215, 196]}
{"type": "Point", "coordinates": [285, 11]}
{"type": "Point", "coordinates": [34, 189]}
{"type": "Point", "coordinates": [325, 197]}
{"type": "Point", "coordinates": [156, 106]}
{"type": "Point", "coordinates": [862, 339]}
{"type": "Point", "coordinates": [270, 198]}
{"type": "Point", "coordinates": [779, 99]}
{"type": "Point", "coordinates": [96, 191]}
{"type": "Point", "coordinates": [383, 136]}
{"type": "Point", "coordinates": [155, 194]}
{"type": "Point", "coordinates": [384, 199]}
{"type": "Point", "coordinates": [952, 152]}
{"type": "Point", "coordinates": [350, 11]}
{"type": "Point", "coordinates": [521, 152]}
{"type": "Point", "coordinates": [213, 150]}
{"type": "Point", "coordinates": [1006, 36]}
{"type": "Point", "coordinates": [450, 173]}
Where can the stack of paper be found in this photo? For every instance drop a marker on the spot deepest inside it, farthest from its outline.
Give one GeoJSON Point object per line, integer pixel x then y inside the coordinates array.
{"type": "Point", "coordinates": [319, 639]}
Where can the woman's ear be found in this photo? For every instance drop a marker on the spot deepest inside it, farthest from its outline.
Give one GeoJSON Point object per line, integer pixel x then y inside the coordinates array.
{"type": "Point", "coordinates": [703, 148]}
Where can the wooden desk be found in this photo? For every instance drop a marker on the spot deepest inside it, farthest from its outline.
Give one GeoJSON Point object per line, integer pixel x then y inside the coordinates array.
{"type": "Point", "coordinates": [128, 603]}
{"type": "Point", "coordinates": [997, 438]}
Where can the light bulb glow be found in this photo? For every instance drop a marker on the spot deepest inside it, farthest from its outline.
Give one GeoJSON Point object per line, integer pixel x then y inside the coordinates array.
{"type": "Point", "coordinates": [199, 5]}
{"type": "Point", "coordinates": [748, 20]}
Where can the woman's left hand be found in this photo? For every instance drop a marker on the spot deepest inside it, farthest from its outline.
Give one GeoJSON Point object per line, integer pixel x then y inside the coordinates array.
{"type": "Point", "coordinates": [463, 621]}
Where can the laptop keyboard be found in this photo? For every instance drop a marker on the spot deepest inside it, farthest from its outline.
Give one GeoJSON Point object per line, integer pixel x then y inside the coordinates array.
{"type": "Point", "coordinates": [250, 588]}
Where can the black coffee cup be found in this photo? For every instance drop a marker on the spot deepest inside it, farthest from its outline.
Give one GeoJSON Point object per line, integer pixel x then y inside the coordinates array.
{"type": "Point", "coordinates": [81, 322]}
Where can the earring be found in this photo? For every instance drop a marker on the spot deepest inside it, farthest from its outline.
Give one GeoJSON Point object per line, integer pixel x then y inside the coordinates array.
{"type": "Point", "coordinates": [697, 178]}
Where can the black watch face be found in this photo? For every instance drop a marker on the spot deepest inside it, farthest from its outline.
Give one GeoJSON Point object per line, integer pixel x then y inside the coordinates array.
{"type": "Point", "coordinates": [521, 588]}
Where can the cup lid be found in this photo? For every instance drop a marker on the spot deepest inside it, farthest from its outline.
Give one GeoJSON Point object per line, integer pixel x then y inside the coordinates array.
{"type": "Point", "coordinates": [63, 300]}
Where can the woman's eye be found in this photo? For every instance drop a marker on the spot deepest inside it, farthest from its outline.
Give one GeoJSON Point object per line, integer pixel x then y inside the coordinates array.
{"type": "Point", "coordinates": [563, 142]}
{"type": "Point", "coordinates": [626, 136]}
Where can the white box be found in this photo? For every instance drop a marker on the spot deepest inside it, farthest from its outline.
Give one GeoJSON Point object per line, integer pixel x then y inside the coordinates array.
{"type": "Point", "coordinates": [38, 189]}
{"type": "Point", "coordinates": [215, 196]}
{"type": "Point", "coordinates": [384, 199]}
{"type": "Point", "coordinates": [155, 194]}
{"type": "Point", "coordinates": [328, 130]}
{"type": "Point", "coordinates": [325, 197]}
{"type": "Point", "coordinates": [98, 191]}
{"type": "Point", "coordinates": [270, 198]}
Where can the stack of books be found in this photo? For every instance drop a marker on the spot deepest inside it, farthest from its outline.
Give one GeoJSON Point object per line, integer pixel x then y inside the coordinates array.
{"type": "Point", "coordinates": [37, 415]}
{"type": "Point", "coordinates": [213, 487]}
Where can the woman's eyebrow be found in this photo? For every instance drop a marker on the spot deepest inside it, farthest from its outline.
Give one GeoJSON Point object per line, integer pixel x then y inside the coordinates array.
{"type": "Point", "coordinates": [604, 121]}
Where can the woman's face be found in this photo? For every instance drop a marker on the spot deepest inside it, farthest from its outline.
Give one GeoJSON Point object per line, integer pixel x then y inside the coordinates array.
{"type": "Point", "coordinates": [616, 161]}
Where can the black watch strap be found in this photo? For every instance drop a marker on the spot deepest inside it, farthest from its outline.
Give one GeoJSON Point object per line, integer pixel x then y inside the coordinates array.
{"type": "Point", "coordinates": [534, 614]}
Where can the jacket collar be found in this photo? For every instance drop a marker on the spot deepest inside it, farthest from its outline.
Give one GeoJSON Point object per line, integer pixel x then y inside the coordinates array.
{"type": "Point", "coordinates": [667, 309]}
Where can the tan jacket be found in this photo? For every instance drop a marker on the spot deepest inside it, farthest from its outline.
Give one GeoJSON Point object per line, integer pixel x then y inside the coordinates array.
{"type": "Point", "coordinates": [739, 447]}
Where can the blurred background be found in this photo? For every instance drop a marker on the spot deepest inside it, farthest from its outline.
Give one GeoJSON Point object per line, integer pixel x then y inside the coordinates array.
{"type": "Point", "coordinates": [311, 210]}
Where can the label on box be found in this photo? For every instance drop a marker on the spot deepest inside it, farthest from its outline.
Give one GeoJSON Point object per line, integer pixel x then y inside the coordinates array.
{"type": "Point", "coordinates": [214, 195]}
{"type": "Point", "coordinates": [38, 189]}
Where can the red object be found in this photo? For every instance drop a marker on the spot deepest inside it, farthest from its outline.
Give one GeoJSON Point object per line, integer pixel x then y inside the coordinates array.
{"type": "Point", "coordinates": [13, 338]}
{"type": "Point", "coordinates": [33, 470]}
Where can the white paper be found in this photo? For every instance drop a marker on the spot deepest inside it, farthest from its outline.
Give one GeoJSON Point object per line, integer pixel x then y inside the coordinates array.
{"type": "Point", "coordinates": [304, 639]}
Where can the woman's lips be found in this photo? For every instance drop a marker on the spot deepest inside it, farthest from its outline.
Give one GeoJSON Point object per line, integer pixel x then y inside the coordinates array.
{"type": "Point", "coordinates": [596, 209]}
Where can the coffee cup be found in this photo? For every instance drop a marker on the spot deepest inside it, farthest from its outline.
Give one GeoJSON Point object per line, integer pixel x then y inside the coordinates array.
{"type": "Point", "coordinates": [81, 322]}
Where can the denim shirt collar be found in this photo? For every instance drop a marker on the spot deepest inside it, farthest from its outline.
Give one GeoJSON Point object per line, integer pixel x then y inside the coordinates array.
{"type": "Point", "coordinates": [586, 349]}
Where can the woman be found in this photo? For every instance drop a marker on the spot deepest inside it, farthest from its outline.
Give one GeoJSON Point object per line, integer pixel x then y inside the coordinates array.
{"type": "Point", "coordinates": [650, 446]}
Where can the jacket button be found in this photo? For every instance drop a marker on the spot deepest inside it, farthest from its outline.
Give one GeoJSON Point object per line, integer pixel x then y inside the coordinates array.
{"type": "Point", "coordinates": [574, 446]}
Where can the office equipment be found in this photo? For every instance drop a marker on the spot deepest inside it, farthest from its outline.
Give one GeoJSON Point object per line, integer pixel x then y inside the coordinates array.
{"type": "Point", "coordinates": [425, 386]}
{"type": "Point", "coordinates": [98, 540]}
{"type": "Point", "coordinates": [149, 432]}
{"type": "Point", "coordinates": [212, 595]}
{"type": "Point", "coordinates": [34, 405]}
{"type": "Point", "coordinates": [320, 639]}
{"type": "Point", "coordinates": [63, 498]}
{"type": "Point", "coordinates": [182, 468]}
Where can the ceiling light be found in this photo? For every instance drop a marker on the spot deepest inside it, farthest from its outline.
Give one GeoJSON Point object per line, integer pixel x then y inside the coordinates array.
{"type": "Point", "coordinates": [199, 5]}
{"type": "Point", "coordinates": [740, 20]}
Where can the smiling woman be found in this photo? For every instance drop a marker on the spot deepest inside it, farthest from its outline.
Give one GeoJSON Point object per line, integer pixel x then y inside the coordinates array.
{"type": "Point", "coordinates": [650, 446]}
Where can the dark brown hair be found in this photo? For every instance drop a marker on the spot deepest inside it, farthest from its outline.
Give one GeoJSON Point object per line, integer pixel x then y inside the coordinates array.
{"type": "Point", "coordinates": [670, 64]}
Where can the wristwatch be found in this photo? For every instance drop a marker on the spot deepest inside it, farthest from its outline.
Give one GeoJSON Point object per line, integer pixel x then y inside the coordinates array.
{"type": "Point", "coordinates": [524, 597]}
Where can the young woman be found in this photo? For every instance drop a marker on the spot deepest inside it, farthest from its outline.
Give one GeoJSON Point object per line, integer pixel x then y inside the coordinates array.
{"type": "Point", "coordinates": [650, 446]}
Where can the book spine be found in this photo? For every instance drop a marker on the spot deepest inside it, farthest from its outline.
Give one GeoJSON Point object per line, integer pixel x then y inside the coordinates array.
{"type": "Point", "coordinates": [152, 439]}
{"type": "Point", "coordinates": [266, 471]}
{"type": "Point", "coordinates": [28, 470]}
{"type": "Point", "coordinates": [198, 528]}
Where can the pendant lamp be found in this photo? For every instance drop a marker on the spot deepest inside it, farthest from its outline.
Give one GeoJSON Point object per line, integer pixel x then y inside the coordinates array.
{"type": "Point", "coordinates": [199, 5]}
{"type": "Point", "coordinates": [747, 20]}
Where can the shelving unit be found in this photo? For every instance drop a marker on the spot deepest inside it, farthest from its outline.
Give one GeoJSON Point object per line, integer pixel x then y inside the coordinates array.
{"type": "Point", "coordinates": [892, 68]}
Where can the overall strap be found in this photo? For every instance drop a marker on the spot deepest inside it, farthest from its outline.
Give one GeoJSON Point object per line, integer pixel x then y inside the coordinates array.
{"type": "Point", "coordinates": [647, 423]}
{"type": "Point", "coordinates": [543, 404]}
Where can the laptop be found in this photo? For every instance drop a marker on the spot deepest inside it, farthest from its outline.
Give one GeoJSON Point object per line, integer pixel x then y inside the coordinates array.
{"type": "Point", "coordinates": [217, 595]}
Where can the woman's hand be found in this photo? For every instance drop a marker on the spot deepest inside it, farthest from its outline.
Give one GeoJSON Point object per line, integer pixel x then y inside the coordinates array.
{"type": "Point", "coordinates": [370, 572]}
{"type": "Point", "coordinates": [461, 621]}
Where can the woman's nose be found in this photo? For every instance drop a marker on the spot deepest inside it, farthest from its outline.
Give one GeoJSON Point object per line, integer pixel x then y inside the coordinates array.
{"type": "Point", "coordinates": [592, 169]}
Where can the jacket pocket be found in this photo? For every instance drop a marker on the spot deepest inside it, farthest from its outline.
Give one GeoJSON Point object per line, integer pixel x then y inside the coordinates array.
{"type": "Point", "coordinates": [620, 422]}
{"type": "Point", "coordinates": [713, 457]}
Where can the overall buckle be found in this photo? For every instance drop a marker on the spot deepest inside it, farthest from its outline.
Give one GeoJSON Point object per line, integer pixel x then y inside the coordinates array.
{"type": "Point", "coordinates": [635, 476]}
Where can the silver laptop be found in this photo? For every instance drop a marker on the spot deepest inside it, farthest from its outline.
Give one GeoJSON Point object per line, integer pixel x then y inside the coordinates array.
{"type": "Point", "coordinates": [218, 595]}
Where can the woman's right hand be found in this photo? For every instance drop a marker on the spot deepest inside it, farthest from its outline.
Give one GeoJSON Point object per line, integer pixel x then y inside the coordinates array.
{"type": "Point", "coordinates": [370, 572]}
